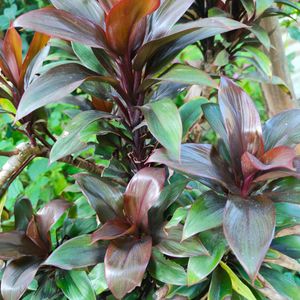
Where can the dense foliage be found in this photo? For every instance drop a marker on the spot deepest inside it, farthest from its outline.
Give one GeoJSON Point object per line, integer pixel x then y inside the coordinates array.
{"type": "Point", "coordinates": [164, 182]}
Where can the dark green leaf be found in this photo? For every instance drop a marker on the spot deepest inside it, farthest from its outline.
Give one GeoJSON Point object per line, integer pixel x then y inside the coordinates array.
{"type": "Point", "coordinates": [220, 286]}
{"type": "Point", "coordinates": [78, 252]}
{"type": "Point", "coordinates": [262, 5]}
{"type": "Point", "coordinates": [23, 213]}
{"type": "Point", "coordinates": [164, 123]}
{"type": "Point", "coordinates": [289, 245]}
{"type": "Point", "coordinates": [249, 229]}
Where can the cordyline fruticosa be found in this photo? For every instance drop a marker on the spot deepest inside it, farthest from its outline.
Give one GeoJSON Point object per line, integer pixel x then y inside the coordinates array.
{"type": "Point", "coordinates": [248, 157]}
{"type": "Point", "coordinates": [134, 42]}
{"type": "Point", "coordinates": [17, 74]}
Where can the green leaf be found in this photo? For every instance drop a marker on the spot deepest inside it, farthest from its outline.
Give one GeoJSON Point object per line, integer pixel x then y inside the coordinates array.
{"type": "Point", "coordinates": [262, 5]}
{"type": "Point", "coordinates": [220, 286]}
{"type": "Point", "coordinates": [164, 122]}
{"type": "Point", "coordinates": [190, 113]}
{"type": "Point", "coordinates": [249, 229]}
{"type": "Point", "coordinates": [166, 270]}
{"type": "Point", "coordinates": [87, 57]}
{"type": "Point", "coordinates": [77, 253]}
{"type": "Point", "coordinates": [75, 285]}
{"type": "Point", "coordinates": [201, 266]}
{"type": "Point", "coordinates": [249, 7]}
{"type": "Point", "coordinates": [179, 215]}
{"type": "Point", "coordinates": [97, 278]}
{"type": "Point", "coordinates": [262, 35]}
{"type": "Point", "coordinates": [289, 245]}
{"type": "Point", "coordinates": [188, 75]}
{"type": "Point", "coordinates": [237, 284]}
{"type": "Point", "coordinates": [70, 141]}
{"type": "Point", "coordinates": [205, 213]}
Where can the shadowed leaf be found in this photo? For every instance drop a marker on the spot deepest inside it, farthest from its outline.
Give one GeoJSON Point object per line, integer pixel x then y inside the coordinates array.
{"type": "Point", "coordinates": [23, 212]}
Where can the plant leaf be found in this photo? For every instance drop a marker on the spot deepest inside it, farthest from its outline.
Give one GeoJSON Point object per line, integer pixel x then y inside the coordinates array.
{"type": "Point", "coordinates": [75, 285]}
{"type": "Point", "coordinates": [241, 121]}
{"type": "Point", "coordinates": [165, 270]}
{"type": "Point", "coordinates": [262, 5]}
{"type": "Point", "coordinates": [69, 142]}
{"type": "Point", "coordinates": [18, 275]}
{"type": "Point", "coordinates": [289, 245]}
{"type": "Point", "coordinates": [123, 19]}
{"type": "Point", "coordinates": [141, 193]}
{"type": "Point", "coordinates": [164, 123]}
{"type": "Point", "coordinates": [97, 278]}
{"type": "Point", "coordinates": [171, 244]}
{"type": "Point", "coordinates": [76, 253]}
{"type": "Point", "coordinates": [220, 286]}
{"type": "Point", "coordinates": [87, 9]}
{"type": "Point", "coordinates": [125, 264]}
{"type": "Point", "coordinates": [103, 195]}
{"type": "Point", "coordinates": [206, 213]}
{"type": "Point", "coordinates": [287, 131]}
{"type": "Point", "coordinates": [23, 213]}
{"type": "Point", "coordinates": [249, 229]}
{"type": "Point", "coordinates": [62, 24]}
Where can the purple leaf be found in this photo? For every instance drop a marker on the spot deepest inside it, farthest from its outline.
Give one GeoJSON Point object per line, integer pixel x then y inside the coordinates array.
{"type": "Point", "coordinates": [249, 229]}
{"type": "Point", "coordinates": [142, 192]}
{"type": "Point", "coordinates": [241, 121]}
{"type": "Point", "coordinates": [125, 264]}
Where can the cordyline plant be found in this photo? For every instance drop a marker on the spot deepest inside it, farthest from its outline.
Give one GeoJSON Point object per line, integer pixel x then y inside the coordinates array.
{"type": "Point", "coordinates": [248, 157]}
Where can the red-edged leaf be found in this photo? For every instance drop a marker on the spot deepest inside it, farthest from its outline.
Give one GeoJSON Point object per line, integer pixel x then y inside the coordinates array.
{"type": "Point", "coordinates": [287, 133]}
{"type": "Point", "coordinates": [12, 49]}
{"type": "Point", "coordinates": [199, 161]}
{"type": "Point", "coordinates": [125, 264]}
{"type": "Point", "coordinates": [241, 121]}
{"type": "Point", "coordinates": [17, 276]}
{"type": "Point", "coordinates": [64, 25]}
{"type": "Point", "coordinates": [38, 42]}
{"type": "Point", "coordinates": [249, 229]}
{"type": "Point", "coordinates": [142, 192]}
{"type": "Point", "coordinates": [48, 215]}
{"type": "Point", "coordinates": [281, 173]}
{"type": "Point", "coordinates": [112, 229]}
{"type": "Point", "coordinates": [16, 244]}
{"type": "Point", "coordinates": [280, 157]}
{"type": "Point", "coordinates": [122, 20]}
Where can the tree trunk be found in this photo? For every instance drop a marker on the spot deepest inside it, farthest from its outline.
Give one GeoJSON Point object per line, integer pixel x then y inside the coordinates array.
{"type": "Point", "coordinates": [276, 99]}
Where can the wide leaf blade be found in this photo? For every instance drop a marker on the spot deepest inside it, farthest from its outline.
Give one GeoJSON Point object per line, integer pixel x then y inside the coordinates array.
{"type": "Point", "coordinates": [23, 212]}
{"type": "Point", "coordinates": [164, 122]}
{"type": "Point", "coordinates": [125, 264]}
{"type": "Point", "coordinates": [62, 24]}
{"type": "Point", "coordinates": [249, 228]}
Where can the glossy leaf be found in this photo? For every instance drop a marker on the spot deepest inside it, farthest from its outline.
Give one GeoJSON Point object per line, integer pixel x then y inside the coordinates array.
{"type": "Point", "coordinates": [125, 265]}
{"type": "Point", "coordinates": [70, 141]}
{"type": "Point", "coordinates": [18, 275]}
{"type": "Point", "coordinates": [171, 244]}
{"type": "Point", "coordinates": [249, 229]}
{"type": "Point", "coordinates": [52, 86]}
{"type": "Point", "coordinates": [242, 122]}
{"type": "Point", "coordinates": [88, 9]}
{"type": "Point", "coordinates": [206, 213]}
{"type": "Point", "coordinates": [190, 113]}
{"type": "Point", "coordinates": [289, 245]}
{"type": "Point", "coordinates": [164, 122]}
{"type": "Point", "coordinates": [62, 24]}
{"type": "Point", "coordinates": [201, 266]}
{"type": "Point", "coordinates": [188, 75]}
{"type": "Point", "coordinates": [103, 195]}
{"type": "Point", "coordinates": [75, 285]}
{"type": "Point", "coordinates": [16, 244]}
{"type": "Point", "coordinates": [167, 271]}
{"type": "Point", "coordinates": [97, 278]}
{"type": "Point", "coordinates": [123, 19]}
{"type": "Point", "coordinates": [237, 284]}
{"type": "Point", "coordinates": [220, 286]}
{"type": "Point", "coordinates": [48, 216]}
{"type": "Point", "coordinates": [287, 131]}
{"type": "Point", "coordinates": [23, 213]}
{"type": "Point", "coordinates": [197, 161]}
{"type": "Point", "coordinates": [141, 193]}
{"type": "Point", "coordinates": [76, 253]}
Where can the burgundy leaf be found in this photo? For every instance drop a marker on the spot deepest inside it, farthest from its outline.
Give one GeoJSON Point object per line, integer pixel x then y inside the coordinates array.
{"type": "Point", "coordinates": [280, 157]}
{"type": "Point", "coordinates": [241, 121]}
{"type": "Point", "coordinates": [64, 25]}
{"type": "Point", "coordinates": [49, 215]}
{"type": "Point", "coordinates": [249, 229]}
{"type": "Point", "coordinates": [125, 264]}
{"type": "Point", "coordinates": [112, 229]}
{"type": "Point", "coordinates": [16, 244]}
{"type": "Point", "coordinates": [23, 212]}
{"type": "Point", "coordinates": [33, 234]}
{"type": "Point", "coordinates": [17, 276]}
{"type": "Point", "coordinates": [142, 192]}
{"type": "Point", "coordinates": [199, 161]}
{"type": "Point", "coordinates": [280, 173]}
